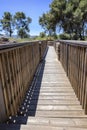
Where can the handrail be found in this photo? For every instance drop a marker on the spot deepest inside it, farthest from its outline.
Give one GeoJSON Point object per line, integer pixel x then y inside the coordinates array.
{"type": "Point", "coordinates": [73, 56]}
{"type": "Point", "coordinates": [18, 63]}
{"type": "Point", "coordinates": [74, 42]}
{"type": "Point", "coordinates": [9, 45]}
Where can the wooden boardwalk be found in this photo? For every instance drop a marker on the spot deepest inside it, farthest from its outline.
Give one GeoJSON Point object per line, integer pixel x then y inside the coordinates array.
{"type": "Point", "coordinates": [50, 103]}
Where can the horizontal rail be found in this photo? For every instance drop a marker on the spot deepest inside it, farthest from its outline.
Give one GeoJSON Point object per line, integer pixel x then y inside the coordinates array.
{"type": "Point", "coordinates": [74, 42]}
{"type": "Point", "coordinates": [18, 63]}
{"type": "Point", "coordinates": [73, 56]}
{"type": "Point", "coordinates": [17, 45]}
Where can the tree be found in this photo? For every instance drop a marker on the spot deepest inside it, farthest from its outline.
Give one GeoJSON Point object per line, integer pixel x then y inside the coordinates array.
{"type": "Point", "coordinates": [42, 34]}
{"type": "Point", "coordinates": [6, 23]}
{"type": "Point", "coordinates": [22, 33]}
{"type": "Point", "coordinates": [47, 22]}
{"type": "Point", "coordinates": [70, 15]}
{"type": "Point", "coordinates": [22, 24]}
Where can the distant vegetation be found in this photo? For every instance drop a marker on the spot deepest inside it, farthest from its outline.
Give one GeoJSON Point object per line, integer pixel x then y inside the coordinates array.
{"type": "Point", "coordinates": [68, 15]}
{"type": "Point", "coordinates": [19, 22]}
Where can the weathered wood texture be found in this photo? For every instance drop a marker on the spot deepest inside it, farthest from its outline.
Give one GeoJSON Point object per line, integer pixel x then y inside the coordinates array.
{"type": "Point", "coordinates": [42, 48]}
{"type": "Point", "coordinates": [18, 63]}
{"type": "Point", "coordinates": [57, 49]}
{"type": "Point", "coordinates": [50, 103]}
{"type": "Point", "coordinates": [73, 56]}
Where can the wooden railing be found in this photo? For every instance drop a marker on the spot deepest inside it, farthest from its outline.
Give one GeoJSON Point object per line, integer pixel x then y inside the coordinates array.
{"type": "Point", "coordinates": [73, 56]}
{"type": "Point", "coordinates": [18, 63]}
{"type": "Point", "coordinates": [42, 48]}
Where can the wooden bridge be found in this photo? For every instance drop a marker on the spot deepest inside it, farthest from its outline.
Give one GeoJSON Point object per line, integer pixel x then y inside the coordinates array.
{"type": "Point", "coordinates": [41, 89]}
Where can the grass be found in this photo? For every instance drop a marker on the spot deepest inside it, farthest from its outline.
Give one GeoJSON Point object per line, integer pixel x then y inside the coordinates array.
{"type": "Point", "coordinates": [37, 38]}
{"type": "Point", "coordinates": [19, 39]}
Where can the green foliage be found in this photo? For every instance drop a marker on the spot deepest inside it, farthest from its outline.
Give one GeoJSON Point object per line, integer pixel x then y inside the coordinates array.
{"type": "Point", "coordinates": [42, 35]}
{"type": "Point", "coordinates": [47, 22]}
{"type": "Point", "coordinates": [22, 24]}
{"type": "Point", "coordinates": [70, 15]}
{"type": "Point", "coordinates": [64, 36]}
{"type": "Point", "coordinates": [22, 33]}
{"type": "Point", "coordinates": [19, 22]}
{"type": "Point", "coordinates": [6, 23]}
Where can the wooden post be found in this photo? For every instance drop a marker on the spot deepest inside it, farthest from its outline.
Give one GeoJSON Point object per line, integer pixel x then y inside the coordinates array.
{"type": "Point", "coordinates": [85, 91]}
{"type": "Point", "coordinates": [67, 58]}
{"type": "Point", "coordinates": [3, 115]}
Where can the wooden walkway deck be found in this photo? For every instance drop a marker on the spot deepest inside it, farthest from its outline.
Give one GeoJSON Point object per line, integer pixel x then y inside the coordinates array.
{"type": "Point", "coordinates": [50, 103]}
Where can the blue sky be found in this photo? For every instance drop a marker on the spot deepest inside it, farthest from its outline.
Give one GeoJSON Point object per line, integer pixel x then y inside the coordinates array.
{"type": "Point", "coordinates": [32, 8]}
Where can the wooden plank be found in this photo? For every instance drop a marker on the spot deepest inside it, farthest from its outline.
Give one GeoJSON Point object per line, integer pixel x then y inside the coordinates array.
{"type": "Point", "coordinates": [69, 122]}
{"type": "Point", "coordinates": [51, 102]}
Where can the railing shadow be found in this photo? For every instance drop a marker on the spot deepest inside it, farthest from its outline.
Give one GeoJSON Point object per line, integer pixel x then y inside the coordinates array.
{"type": "Point", "coordinates": [29, 106]}
{"type": "Point", "coordinates": [36, 88]}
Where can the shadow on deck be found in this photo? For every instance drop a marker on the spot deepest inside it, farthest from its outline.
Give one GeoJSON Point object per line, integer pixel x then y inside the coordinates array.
{"type": "Point", "coordinates": [52, 107]}
{"type": "Point", "coordinates": [29, 104]}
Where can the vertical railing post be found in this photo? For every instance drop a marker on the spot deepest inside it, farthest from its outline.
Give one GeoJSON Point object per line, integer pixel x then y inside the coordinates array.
{"type": "Point", "coordinates": [85, 91]}
{"type": "Point", "coordinates": [3, 115]}
{"type": "Point", "coordinates": [59, 51]}
{"type": "Point", "coordinates": [67, 59]}
{"type": "Point", "coordinates": [40, 50]}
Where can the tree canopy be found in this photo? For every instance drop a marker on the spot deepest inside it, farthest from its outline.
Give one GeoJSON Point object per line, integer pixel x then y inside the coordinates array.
{"type": "Point", "coordinates": [6, 23]}
{"type": "Point", "coordinates": [68, 15]}
{"type": "Point", "coordinates": [19, 22]}
{"type": "Point", "coordinates": [22, 23]}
